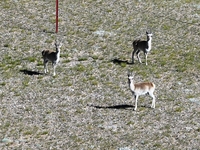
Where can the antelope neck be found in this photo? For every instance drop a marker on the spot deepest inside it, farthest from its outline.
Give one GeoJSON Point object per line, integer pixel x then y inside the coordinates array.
{"type": "Point", "coordinates": [132, 87]}
{"type": "Point", "coordinates": [149, 43]}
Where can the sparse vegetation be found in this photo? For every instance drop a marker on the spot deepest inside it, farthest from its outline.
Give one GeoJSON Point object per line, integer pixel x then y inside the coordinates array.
{"type": "Point", "coordinates": [88, 104]}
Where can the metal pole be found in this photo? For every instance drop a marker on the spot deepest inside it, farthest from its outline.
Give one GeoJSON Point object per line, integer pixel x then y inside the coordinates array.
{"type": "Point", "coordinates": [56, 16]}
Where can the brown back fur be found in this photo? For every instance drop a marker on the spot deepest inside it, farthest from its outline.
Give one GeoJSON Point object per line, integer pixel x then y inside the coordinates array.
{"type": "Point", "coordinates": [144, 85]}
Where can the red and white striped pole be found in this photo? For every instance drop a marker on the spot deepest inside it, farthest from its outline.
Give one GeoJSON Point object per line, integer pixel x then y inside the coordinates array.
{"type": "Point", "coordinates": [56, 16]}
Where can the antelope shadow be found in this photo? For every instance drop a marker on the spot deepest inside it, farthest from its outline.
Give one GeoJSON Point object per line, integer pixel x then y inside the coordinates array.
{"type": "Point", "coordinates": [119, 62]}
{"type": "Point", "coordinates": [123, 106]}
{"type": "Point", "coordinates": [30, 73]}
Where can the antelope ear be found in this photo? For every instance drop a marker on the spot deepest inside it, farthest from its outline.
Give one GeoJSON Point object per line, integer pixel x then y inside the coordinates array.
{"type": "Point", "coordinates": [147, 32]}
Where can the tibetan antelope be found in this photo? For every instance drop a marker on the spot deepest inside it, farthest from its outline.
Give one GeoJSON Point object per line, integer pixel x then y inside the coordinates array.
{"type": "Point", "coordinates": [144, 46]}
{"type": "Point", "coordinates": [142, 88]}
{"type": "Point", "coordinates": [53, 56]}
